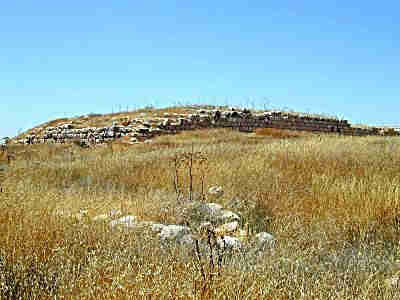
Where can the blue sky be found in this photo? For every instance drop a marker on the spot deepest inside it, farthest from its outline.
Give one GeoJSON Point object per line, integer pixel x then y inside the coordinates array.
{"type": "Point", "coordinates": [68, 58]}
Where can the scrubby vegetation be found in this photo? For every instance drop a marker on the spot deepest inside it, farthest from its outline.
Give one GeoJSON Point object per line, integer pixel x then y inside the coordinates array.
{"type": "Point", "coordinates": [333, 204]}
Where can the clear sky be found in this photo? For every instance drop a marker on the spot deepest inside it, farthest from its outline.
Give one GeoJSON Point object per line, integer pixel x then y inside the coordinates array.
{"type": "Point", "coordinates": [68, 58]}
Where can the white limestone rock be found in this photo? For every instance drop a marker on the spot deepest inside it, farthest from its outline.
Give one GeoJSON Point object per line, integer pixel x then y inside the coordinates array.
{"type": "Point", "coordinates": [210, 208]}
{"type": "Point", "coordinates": [158, 227]}
{"type": "Point", "coordinates": [115, 213]}
{"type": "Point", "coordinates": [392, 282]}
{"type": "Point", "coordinates": [227, 228]}
{"type": "Point", "coordinates": [216, 191]}
{"type": "Point", "coordinates": [264, 240]}
{"type": "Point", "coordinates": [227, 215]}
{"type": "Point", "coordinates": [211, 212]}
{"type": "Point", "coordinates": [173, 232]}
{"type": "Point", "coordinates": [229, 242]}
{"type": "Point", "coordinates": [127, 221]}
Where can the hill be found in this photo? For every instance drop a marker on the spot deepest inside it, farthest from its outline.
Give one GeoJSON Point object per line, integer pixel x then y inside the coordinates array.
{"type": "Point", "coordinates": [205, 213]}
{"type": "Point", "coordinates": [142, 125]}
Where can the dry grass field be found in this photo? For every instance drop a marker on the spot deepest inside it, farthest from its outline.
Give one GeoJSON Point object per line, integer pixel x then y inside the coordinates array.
{"type": "Point", "coordinates": [333, 204]}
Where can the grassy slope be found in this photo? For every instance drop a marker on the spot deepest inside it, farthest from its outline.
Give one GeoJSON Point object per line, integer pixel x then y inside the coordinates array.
{"type": "Point", "coordinates": [101, 120]}
{"type": "Point", "coordinates": [332, 202]}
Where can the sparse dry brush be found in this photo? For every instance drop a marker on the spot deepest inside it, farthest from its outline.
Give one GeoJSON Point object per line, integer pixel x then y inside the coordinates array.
{"type": "Point", "coordinates": [333, 203]}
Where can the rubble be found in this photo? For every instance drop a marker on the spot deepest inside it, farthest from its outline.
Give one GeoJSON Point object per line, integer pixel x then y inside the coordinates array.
{"type": "Point", "coordinates": [242, 120]}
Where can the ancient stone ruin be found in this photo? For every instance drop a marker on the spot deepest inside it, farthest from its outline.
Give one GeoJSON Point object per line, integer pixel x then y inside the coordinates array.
{"type": "Point", "coordinates": [200, 220]}
{"type": "Point", "coordinates": [140, 129]}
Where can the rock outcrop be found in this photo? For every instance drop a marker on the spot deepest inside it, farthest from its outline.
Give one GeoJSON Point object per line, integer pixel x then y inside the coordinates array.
{"type": "Point", "coordinates": [227, 235]}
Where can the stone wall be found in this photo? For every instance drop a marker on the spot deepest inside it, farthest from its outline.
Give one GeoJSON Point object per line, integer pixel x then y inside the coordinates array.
{"type": "Point", "coordinates": [139, 130]}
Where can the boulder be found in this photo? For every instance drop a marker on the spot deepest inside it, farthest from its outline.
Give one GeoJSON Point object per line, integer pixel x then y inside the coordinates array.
{"type": "Point", "coordinates": [210, 208]}
{"type": "Point", "coordinates": [216, 191]}
{"type": "Point", "coordinates": [210, 212]}
{"type": "Point", "coordinates": [114, 213]}
{"type": "Point", "coordinates": [66, 126]}
{"type": "Point", "coordinates": [173, 232]}
{"type": "Point", "coordinates": [158, 227]}
{"type": "Point", "coordinates": [227, 228]}
{"type": "Point", "coordinates": [127, 221]}
{"type": "Point", "coordinates": [228, 242]}
{"type": "Point", "coordinates": [164, 123]}
{"type": "Point", "coordinates": [392, 282]}
{"type": "Point", "coordinates": [263, 240]}
{"type": "Point", "coordinates": [227, 215]}
{"type": "Point", "coordinates": [110, 134]}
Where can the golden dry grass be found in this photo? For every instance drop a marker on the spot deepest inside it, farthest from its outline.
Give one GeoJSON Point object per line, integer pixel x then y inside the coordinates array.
{"type": "Point", "coordinates": [333, 203]}
{"type": "Point", "coordinates": [3, 155]}
{"type": "Point", "coordinates": [280, 133]}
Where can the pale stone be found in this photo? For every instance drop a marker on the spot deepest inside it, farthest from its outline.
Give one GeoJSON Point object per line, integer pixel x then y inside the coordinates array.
{"type": "Point", "coordinates": [392, 282]}
{"type": "Point", "coordinates": [264, 240]}
{"type": "Point", "coordinates": [228, 227]}
{"type": "Point", "coordinates": [210, 208]}
{"type": "Point", "coordinates": [173, 232]}
{"type": "Point", "coordinates": [228, 215]}
{"type": "Point", "coordinates": [127, 221]}
{"type": "Point", "coordinates": [229, 242]}
{"type": "Point", "coordinates": [216, 191]}
{"type": "Point", "coordinates": [157, 227]}
{"type": "Point", "coordinates": [114, 213]}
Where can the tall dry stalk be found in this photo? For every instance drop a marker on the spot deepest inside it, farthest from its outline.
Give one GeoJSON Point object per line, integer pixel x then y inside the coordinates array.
{"type": "Point", "coordinates": [195, 164]}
